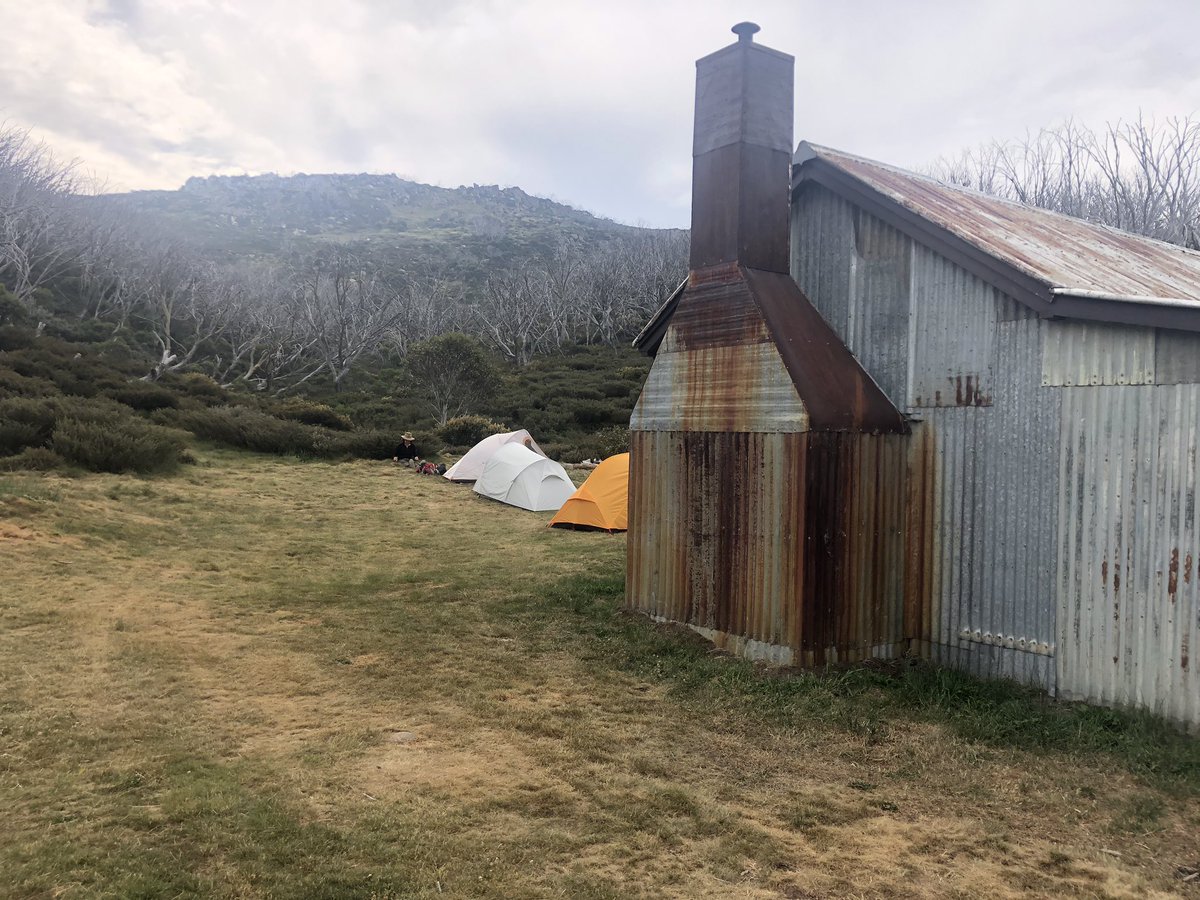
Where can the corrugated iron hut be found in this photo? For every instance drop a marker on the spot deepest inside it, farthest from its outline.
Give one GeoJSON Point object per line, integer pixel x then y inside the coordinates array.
{"type": "Point", "coordinates": [743, 521]}
{"type": "Point", "coordinates": [1050, 371]}
{"type": "Point", "coordinates": [966, 429]}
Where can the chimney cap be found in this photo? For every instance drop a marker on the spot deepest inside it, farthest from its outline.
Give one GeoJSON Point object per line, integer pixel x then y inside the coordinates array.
{"type": "Point", "coordinates": [745, 31]}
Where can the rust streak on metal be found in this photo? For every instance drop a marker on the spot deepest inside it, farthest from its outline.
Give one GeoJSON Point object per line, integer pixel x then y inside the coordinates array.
{"type": "Point", "coordinates": [967, 392]}
{"type": "Point", "coordinates": [1173, 574]}
{"type": "Point", "coordinates": [918, 528]}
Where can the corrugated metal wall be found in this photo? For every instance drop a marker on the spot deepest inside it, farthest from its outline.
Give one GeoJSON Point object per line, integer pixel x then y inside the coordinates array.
{"type": "Point", "coordinates": [854, 547]}
{"type": "Point", "coordinates": [971, 374]}
{"type": "Point", "coordinates": [1129, 589]}
{"type": "Point", "coordinates": [1083, 353]}
{"type": "Point", "coordinates": [859, 268]}
{"type": "Point", "coordinates": [952, 343]}
{"type": "Point", "coordinates": [823, 254]}
{"type": "Point", "coordinates": [787, 547]}
{"type": "Point", "coordinates": [994, 529]}
{"type": "Point", "coordinates": [715, 526]}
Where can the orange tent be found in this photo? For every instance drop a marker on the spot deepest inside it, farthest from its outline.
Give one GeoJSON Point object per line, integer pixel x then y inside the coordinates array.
{"type": "Point", "coordinates": [602, 501]}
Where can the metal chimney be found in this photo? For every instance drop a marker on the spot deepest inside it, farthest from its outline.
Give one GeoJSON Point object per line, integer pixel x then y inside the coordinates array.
{"type": "Point", "coordinates": [741, 156]}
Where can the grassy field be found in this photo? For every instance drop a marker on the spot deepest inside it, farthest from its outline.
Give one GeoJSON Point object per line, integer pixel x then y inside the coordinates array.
{"type": "Point", "coordinates": [263, 678]}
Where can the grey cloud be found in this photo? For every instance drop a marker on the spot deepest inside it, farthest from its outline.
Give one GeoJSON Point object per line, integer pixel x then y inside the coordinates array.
{"type": "Point", "coordinates": [589, 103]}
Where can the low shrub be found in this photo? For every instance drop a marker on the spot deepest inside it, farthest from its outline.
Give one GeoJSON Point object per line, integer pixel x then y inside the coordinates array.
{"type": "Point", "coordinates": [465, 431]}
{"type": "Point", "coordinates": [597, 412]}
{"type": "Point", "coordinates": [620, 389]}
{"type": "Point", "coordinates": [64, 364]}
{"type": "Point", "coordinates": [103, 441]}
{"type": "Point", "coordinates": [567, 451]}
{"type": "Point", "coordinates": [197, 385]}
{"type": "Point", "coordinates": [383, 413]}
{"type": "Point", "coordinates": [247, 428]}
{"type": "Point", "coordinates": [633, 373]}
{"type": "Point", "coordinates": [11, 310]}
{"type": "Point", "coordinates": [84, 331]}
{"type": "Point", "coordinates": [313, 414]}
{"type": "Point", "coordinates": [13, 337]}
{"type": "Point", "coordinates": [14, 385]}
{"type": "Point", "coordinates": [32, 459]}
{"type": "Point", "coordinates": [143, 396]}
{"type": "Point", "coordinates": [373, 444]}
{"type": "Point", "coordinates": [252, 429]}
{"type": "Point", "coordinates": [25, 422]}
{"type": "Point", "coordinates": [611, 441]}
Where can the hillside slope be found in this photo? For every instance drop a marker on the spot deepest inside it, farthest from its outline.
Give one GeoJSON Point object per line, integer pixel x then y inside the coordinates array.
{"type": "Point", "coordinates": [271, 216]}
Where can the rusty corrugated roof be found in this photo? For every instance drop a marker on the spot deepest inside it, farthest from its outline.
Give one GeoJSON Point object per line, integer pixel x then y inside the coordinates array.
{"type": "Point", "coordinates": [1055, 256]}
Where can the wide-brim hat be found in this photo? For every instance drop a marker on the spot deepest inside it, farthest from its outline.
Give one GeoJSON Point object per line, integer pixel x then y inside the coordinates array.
{"type": "Point", "coordinates": [407, 436]}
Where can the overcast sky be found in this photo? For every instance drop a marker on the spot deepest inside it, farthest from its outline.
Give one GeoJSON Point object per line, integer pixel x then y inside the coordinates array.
{"type": "Point", "coordinates": [585, 101]}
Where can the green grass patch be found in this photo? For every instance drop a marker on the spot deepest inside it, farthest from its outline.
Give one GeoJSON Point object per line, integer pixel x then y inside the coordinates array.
{"type": "Point", "coordinates": [863, 700]}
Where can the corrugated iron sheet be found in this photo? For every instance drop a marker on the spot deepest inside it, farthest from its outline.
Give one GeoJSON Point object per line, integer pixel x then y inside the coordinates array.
{"type": "Point", "coordinates": [866, 279]}
{"type": "Point", "coordinates": [950, 351]}
{"type": "Point", "coordinates": [731, 388]}
{"type": "Point", "coordinates": [994, 522]}
{"type": "Point", "coordinates": [1057, 250]}
{"type": "Point", "coordinates": [859, 268]}
{"type": "Point", "coordinates": [1176, 357]}
{"type": "Point", "coordinates": [822, 244]}
{"type": "Point", "coordinates": [981, 587]}
{"type": "Point", "coordinates": [787, 547]}
{"type": "Point", "coordinates": [1082, 353]}
{"type": "Point", "coordinates": [1129, 585]}
{"type": "Point", "coordinates": [714, 521]}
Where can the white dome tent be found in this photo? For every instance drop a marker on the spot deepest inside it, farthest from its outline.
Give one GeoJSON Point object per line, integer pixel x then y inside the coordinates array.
{"type": "Point", "coordinates": [519, 477]}
{"type": "Point", "coordinates": [470, 467]}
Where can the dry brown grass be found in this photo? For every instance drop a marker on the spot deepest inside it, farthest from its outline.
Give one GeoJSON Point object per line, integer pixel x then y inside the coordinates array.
{"type": "Point", "coordinates": [200, 678]}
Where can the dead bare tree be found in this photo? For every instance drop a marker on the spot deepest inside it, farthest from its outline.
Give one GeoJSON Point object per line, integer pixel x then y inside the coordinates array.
{"type": "Point", "coordinates": [185, 304]}
{"type": "Point", "coordinates": [39, 225]}
{"type": "Point", "coordinates": [349, 309]}
{"type": "Point", "coordinates": [428, 304]}
{"type": "Point", "coordinates": [513, 317]}
{"type": "Point", "coordinates": [105, 267]}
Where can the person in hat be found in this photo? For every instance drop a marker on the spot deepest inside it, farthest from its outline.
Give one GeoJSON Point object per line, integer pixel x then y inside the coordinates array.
{"type": "Point", "coordinates": [406, 451]}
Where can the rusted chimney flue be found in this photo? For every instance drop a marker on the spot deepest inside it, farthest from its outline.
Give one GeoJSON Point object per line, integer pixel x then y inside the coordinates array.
{"type": "Point", "coordinates": [741, 156]}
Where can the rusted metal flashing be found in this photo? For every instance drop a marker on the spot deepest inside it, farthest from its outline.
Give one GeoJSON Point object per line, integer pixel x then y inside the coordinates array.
{"type": "Point", "coordinates": [837, 392]}
{"type": "Point", "coordinates": [653, 331]}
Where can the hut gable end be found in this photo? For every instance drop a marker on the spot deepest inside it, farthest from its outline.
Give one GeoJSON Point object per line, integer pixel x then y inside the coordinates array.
{"type": "Point", "coordinates": [717, 369]}
{"type": "Point", "coordinates": [1056, 265]}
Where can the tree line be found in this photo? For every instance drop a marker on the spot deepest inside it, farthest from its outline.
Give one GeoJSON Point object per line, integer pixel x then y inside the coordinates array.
{"type": "Point", "coordinates": [321, 312]}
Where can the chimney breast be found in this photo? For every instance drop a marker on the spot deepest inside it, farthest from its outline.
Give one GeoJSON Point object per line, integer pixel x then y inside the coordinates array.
{"type": "Point", "coordinates": [741, 155]}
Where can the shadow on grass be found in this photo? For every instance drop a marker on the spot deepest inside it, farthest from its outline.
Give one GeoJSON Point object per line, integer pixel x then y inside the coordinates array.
{"type": "Point", "coordinates": [588, 613]}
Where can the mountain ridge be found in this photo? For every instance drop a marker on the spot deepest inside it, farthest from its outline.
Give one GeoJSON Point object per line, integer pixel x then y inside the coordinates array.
{"type": "Point", "coordinates": [274, 216]}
